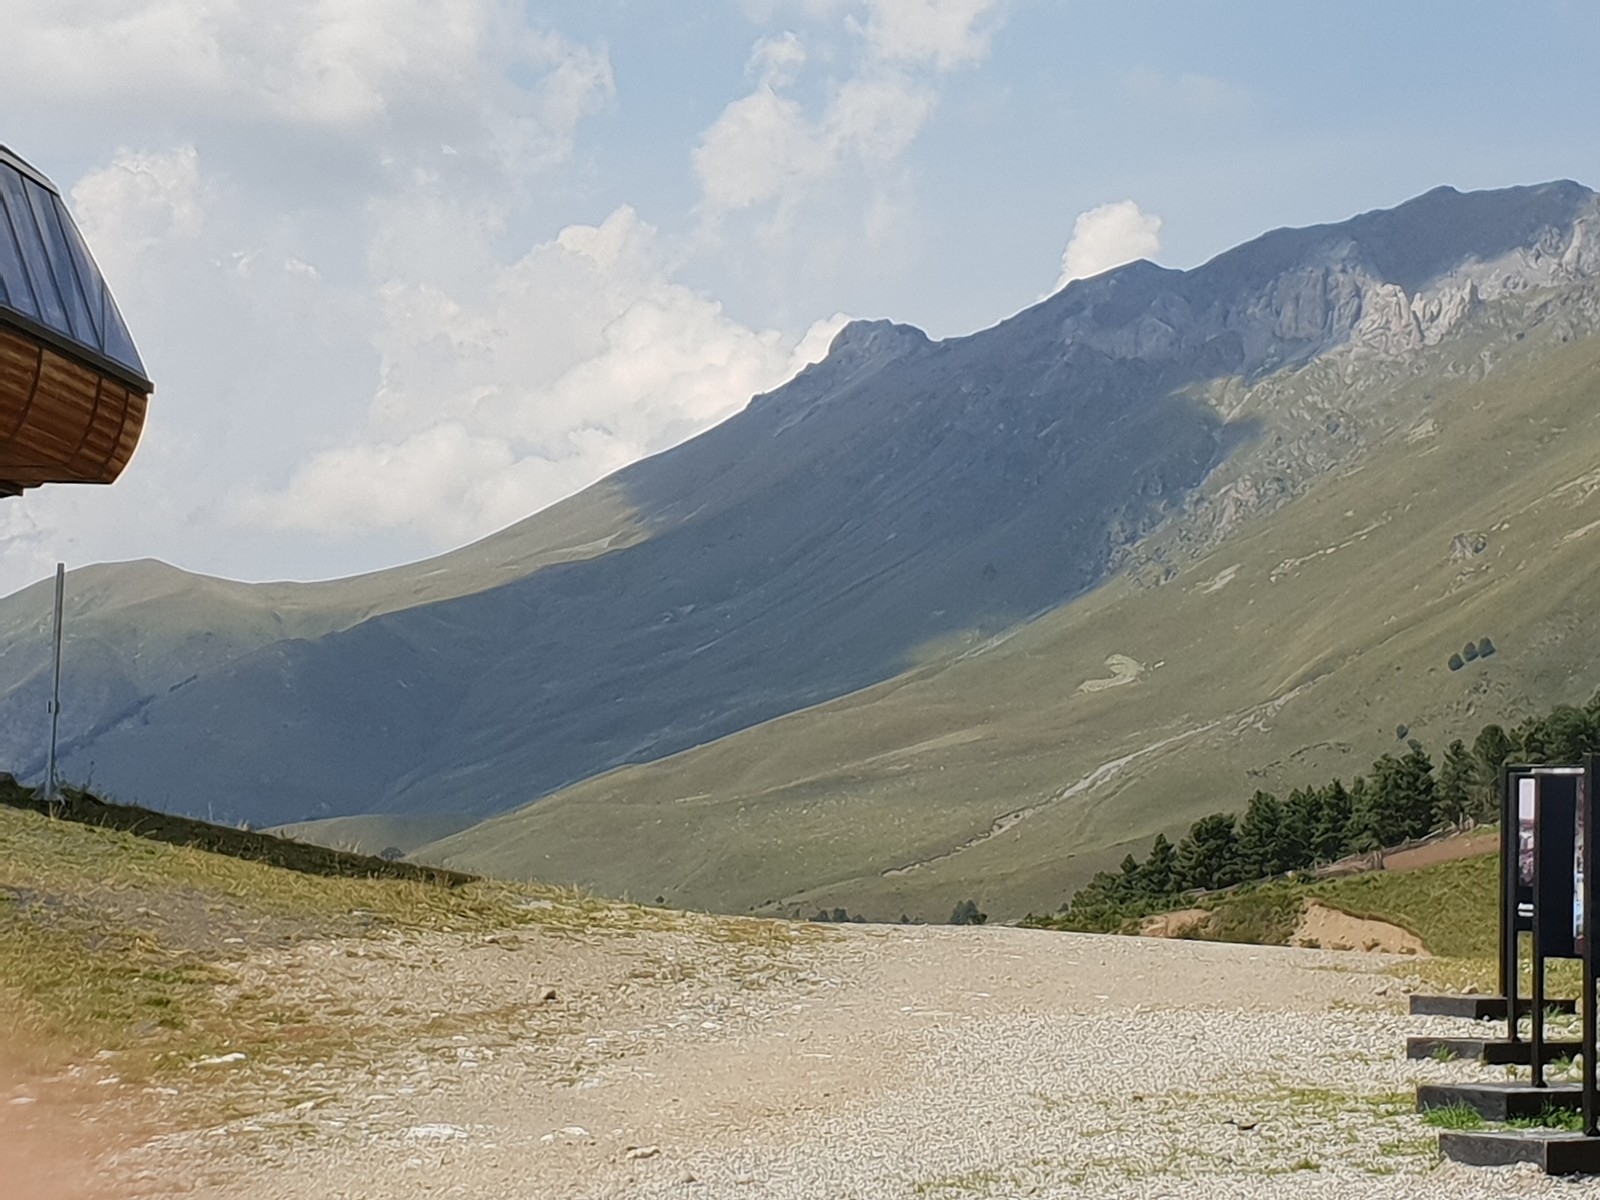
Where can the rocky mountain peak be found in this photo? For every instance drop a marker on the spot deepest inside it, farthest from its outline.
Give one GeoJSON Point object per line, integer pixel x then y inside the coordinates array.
{"type": "Point", "coordinates": [862, 340]}
{"type": "Point", "coordinates": [1384, 282]}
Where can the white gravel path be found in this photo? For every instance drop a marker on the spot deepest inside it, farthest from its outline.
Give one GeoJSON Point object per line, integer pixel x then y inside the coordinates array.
{"type": "Point", "coordinates": [890, 1062]}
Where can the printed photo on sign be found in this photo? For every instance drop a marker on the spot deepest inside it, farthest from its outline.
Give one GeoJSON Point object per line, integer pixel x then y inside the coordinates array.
{"type": "Point", "coordinates": [1580, 835]}
{"type": "Point", "coordinates": [1526, 790]}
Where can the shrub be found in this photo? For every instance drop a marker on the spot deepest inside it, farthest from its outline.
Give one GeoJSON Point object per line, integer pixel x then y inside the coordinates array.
{"type": "Point", "coordinates": [966, 913]}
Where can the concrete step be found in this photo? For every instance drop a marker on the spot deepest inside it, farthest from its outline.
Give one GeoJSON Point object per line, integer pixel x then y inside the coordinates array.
{"type": "Point", "coordinates": [1555, 1152]}
{"type": "Point", "coordinates": [1481, 1008]}
{"type": "Point", "coordinates": [1493, 1051]}
{"type": "Point", "coordinates": [1500, 1101]}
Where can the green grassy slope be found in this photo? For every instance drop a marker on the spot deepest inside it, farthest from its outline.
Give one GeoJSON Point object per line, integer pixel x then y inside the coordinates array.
{"type": "Point", "coordinates": [376, 832]}
{"type": "Point", "coordinates": [1452, 907]}
{"type": "Point", "coordinates": [1288, 654]}
{"type": "Point", "coordinates": [144, 629]}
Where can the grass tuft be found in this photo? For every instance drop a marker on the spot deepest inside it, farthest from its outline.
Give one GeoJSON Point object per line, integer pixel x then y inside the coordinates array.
{"type": "Point", "coordinates": [1453, 1116]}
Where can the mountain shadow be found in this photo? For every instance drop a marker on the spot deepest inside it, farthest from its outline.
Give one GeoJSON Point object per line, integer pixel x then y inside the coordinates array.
{"type": "Point", "coordinates": [898, 495]}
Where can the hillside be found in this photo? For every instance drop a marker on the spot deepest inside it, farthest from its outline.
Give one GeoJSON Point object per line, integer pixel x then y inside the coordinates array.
{"type": "Point", "coordinates": [1288, 654]}
{"type": "Point", "coordinates": [940, 620]}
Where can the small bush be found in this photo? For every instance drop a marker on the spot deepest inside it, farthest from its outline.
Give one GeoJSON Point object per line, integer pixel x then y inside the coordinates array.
{"type": "Point", "coordinates": [838, 916]}
{"type": "Point", "coordinates": [966, 913]}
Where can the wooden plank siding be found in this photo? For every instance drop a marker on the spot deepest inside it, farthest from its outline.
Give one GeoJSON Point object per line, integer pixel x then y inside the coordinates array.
{"type": "Point", "coordinates": [60, 421]}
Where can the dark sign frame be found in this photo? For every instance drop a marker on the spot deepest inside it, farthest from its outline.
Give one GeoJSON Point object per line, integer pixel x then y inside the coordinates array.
{"type": "Point", "coordinates": [1588, 830]}
{"type": "Point", "coordinates": [1550, 822]}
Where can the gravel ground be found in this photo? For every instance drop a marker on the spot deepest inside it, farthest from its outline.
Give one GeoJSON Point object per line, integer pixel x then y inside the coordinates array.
{"type": "Point", "coordinates": [878, 1062]}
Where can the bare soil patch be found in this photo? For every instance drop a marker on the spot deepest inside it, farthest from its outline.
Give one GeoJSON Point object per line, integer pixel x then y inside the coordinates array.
{"type": "Point", "coordinates": [1183, 923]}
{"type": "Point", "coordinates": [1445, 850]}
{"type": "Point", "coordinates": [1327, 928]}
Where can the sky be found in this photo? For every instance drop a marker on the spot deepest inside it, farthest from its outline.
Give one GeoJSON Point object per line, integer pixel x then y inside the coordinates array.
{"type": "Point", "coordinates": [406, 271]}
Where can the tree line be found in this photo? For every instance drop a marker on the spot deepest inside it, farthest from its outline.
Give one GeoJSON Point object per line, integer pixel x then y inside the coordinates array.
{"type": "Point", "coordinates": [1403, 796]}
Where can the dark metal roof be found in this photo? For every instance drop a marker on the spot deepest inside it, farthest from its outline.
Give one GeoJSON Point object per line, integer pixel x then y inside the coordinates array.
{"type": "Point", "coordinates": [49, 285]}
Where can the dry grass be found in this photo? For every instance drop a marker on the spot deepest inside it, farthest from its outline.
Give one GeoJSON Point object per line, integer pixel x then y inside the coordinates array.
{"type": "Point", "coordinates": [113, 943]}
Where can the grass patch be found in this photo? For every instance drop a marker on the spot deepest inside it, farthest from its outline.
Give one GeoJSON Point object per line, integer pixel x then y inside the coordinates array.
{"type": "Point", "coordinates": [113, 942]}
{"type": "Point", "coordinates": [80, 806]}
{"type": "Point", "coordinates": [74, 985]}
{"type": "Point", "coordinates": [1454, 1116]}
{"type": "Point", "coordinates": [1452, 907]}
{"type": "Point", "coordinates": [1567, 1119]}
{"type": "Point", "coordinates": [1264, 916]}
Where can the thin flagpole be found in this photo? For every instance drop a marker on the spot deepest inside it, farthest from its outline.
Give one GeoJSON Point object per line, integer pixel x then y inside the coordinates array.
{"type": "Point", "coordinates": [51, 788]}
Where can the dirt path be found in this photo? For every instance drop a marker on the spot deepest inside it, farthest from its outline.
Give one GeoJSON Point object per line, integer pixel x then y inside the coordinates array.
{"type": "Point", "coordinates": [879, 1062]}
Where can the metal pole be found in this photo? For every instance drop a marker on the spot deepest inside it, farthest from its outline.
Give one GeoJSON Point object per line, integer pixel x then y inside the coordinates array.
{"type": "Point", "coordinates": [50, 787]}
{"type": "Point", "coordinates": [1589, 807]}
{"type": "Point", "coordinates": [1508, 899]}
{"type": "Point", "coordinates": [1536, 996]}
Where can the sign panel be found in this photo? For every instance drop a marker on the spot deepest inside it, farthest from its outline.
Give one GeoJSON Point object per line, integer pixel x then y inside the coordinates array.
{"type": "Point", "coordinates": [1555, 815]}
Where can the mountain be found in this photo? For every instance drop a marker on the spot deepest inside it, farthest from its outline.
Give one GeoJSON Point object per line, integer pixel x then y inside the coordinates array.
{"type": "Point", "coordinates": [937, 619]}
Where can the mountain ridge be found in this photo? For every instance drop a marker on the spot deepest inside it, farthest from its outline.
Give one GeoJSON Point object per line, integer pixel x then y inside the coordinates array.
{"type": "Point", "coordinates": [897, 503]}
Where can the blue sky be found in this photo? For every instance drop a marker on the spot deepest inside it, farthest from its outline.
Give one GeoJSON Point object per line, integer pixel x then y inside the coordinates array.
{"type": "Point", "coordinates": [407, 270]}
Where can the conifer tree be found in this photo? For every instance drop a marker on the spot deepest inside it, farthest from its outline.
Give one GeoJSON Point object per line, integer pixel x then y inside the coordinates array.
{"type": "Point", "coordinates": [1418, 791]}
{"type": "Point", "coordinates": [1159, 874]}
{"type": "Point", "coordinates": [1208, 856]}
{"type": "Point", "coordinates": [1330, 840]}
{"type": "Point", "coordinates": [1455, 802]}
{"type": "Point", "coordinates": [1367, 825]}
{"type": "Point", "coordinates": [1491, 750]}
{"type": "Point", "coordinates": [1130, 882]}
{"type": "Point", "coordinates": [1261, 837]}
{"type": "Point", "coordinates": [1301, 813]}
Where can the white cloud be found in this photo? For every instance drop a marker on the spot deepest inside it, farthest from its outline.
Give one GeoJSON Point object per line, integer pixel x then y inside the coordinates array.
{"type": "Point", "coordinates": [776, 61]}
{"type": "Point", "coordinates": [947, 33]}
{"type": "Point", "coordinates": [361, 323]}
{"type": "Point", "coordinates": [761, 147]}
{"type": "Point", "coordinates": [766, 147]}
{"type": "Point", "coordinates": [381, 74]}
{"type": "Point", "coordinates": [1107, 237]}
{"type": "Point", "coordinates": [534, 380]}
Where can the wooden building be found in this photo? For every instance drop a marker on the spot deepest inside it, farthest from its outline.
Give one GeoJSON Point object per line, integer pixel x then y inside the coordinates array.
{"type": "Point", "coordinates": [73, 390]}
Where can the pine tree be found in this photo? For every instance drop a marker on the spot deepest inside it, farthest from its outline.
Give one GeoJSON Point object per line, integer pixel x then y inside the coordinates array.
{"type": "Point", "coordinates": [1301, 813]}
{"type": "Point", "coordinates": [1208, 856]}
{"type": "Point", "coordinates": [1569, 734]}
{"type": "Point", "coordinates": [1455, 800]}
{"type": "Point", "coordinates": [1131, 879]}
{"type": "Point", "coordinates": [1491, 750]}
{"type": "Point", "coordinates": [1330, 840]}
{"type": "Point", "coordinates": [1366, 829]}
{"type": "Point", "coordinates": [1159, 874]}
{"type": "Point", "coordinates": [1261, 837]}
{"type": "Point", "coordinates": [1419, 791]}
